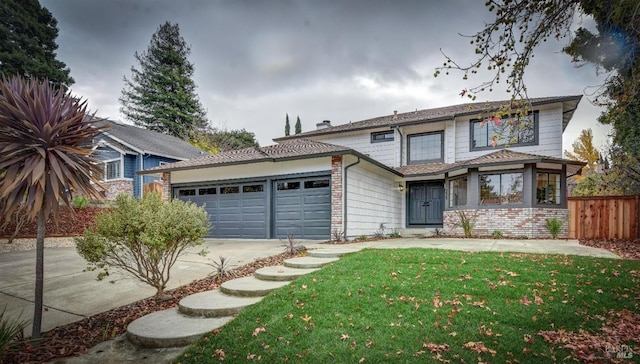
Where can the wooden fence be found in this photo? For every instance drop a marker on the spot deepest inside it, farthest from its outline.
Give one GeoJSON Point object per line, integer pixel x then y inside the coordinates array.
{"type": "Point", "coordinates": [608, 217]}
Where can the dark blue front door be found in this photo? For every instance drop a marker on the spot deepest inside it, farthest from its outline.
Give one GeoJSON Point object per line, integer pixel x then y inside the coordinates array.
{"type": "Point", "coordinates": [425, 203]}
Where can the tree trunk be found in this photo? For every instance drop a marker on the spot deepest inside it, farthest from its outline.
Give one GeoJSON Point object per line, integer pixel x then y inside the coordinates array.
{"type": "Point", "coordinates": [37, 309]}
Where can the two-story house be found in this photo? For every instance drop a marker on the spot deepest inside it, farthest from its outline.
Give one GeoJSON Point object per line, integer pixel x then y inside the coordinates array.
{"type": "Point", "coordinates": [415, 170]}
{"type": "Point", "coordinates": [123, 150]}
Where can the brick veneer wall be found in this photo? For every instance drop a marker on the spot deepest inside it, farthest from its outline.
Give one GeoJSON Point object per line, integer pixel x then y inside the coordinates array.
{"type": "Point", "coordinates": [336, 194]}
{"type": "Point", "coordinates": [512, 222]}
{"type": "Point", "coordinates": [166, 186]}
{"type": "Point", "coordinates": [117, 186]}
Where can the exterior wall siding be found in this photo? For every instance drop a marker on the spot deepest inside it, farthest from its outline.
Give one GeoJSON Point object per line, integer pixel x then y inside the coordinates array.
{"type": "Point", "coordinates": [373, 198]}
{"type": "Point", "coordinates": [549, 136]}
{"type": "Point", "coordinates": [384, 152]}
{"type": "Point", "coordinates": [511, 222]}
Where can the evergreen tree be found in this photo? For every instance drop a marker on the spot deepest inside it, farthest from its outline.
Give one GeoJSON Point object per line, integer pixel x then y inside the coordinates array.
{"type": "Point", "coordinates": [160, 95]}
{"type": "Point", "coordinates": [298, 126]}
{"type": "Point", "coordinates": [287, 127]}
{"type": "Point", "coordinates": [28, 35]}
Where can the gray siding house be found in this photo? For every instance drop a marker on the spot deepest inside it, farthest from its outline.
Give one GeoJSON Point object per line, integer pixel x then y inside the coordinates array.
{"type": "Point", "coordinates": [411, 172]}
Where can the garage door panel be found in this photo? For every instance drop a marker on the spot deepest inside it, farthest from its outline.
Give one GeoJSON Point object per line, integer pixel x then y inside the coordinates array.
{"type": "Point", "coordinates": [304, 210]}
{"type": "Point", "coordinates": [232, 212]}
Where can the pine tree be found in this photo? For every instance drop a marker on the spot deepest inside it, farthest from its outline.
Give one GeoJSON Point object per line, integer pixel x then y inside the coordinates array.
{"type": "Point", "coordinates": [28, 35]}
{"type": "Point", "coordinates": [160, 95]}
{"type": "Point", "coordinates": [298, 126]}
{"type": "Point", "coordinates": [287, 127]}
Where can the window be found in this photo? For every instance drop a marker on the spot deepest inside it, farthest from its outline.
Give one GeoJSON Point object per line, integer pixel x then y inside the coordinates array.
{"type": "Point", "coordinates": [382, 136]}
{"type": "Point", "coordinates": [458, 192]}
{"type": "Point", "coordinates": [229, 190]}
{"type": "Point", "coordinates": [112, 170]}
{"type": "Point", "coordinates": [189, 192]}
{"type": "Point", "coordinates": [425, 147]}
{"type": "Point", "coordinates": [284, 186]}
{"type": "Point", "coordinates": [252, 188]}
{"type": "Point", "coordinates": [486, 134]}
{"type": "Point", "coordinates": [207, 191]}
{"type": "Point", "coordinates": [320, 183]}
{"type": "Point", "coordinates": [548, 188]}
{"type": "Point", "coordinates": [501, 189]}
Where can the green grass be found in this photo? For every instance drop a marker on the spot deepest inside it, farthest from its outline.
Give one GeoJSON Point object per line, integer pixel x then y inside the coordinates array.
{"type": "Point", "coordinates": [417, 305]}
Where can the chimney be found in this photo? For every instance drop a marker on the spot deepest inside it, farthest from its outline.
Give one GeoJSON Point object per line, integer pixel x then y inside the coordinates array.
{"type": "Point", "coordinates": [395, 114]}
{"type": "Point", "coordinates": [323, 125]}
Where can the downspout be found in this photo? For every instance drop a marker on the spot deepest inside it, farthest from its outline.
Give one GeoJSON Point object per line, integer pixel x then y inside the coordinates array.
{"type": "Point", "coordinates": [344, 195]}
{"type": "Point", "coordinates": [141, 176]}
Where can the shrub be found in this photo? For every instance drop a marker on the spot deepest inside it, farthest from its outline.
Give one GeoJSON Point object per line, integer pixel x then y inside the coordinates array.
{"type": "Point", "coordinates": [497, 234]}
{"type": "Point", "coordinates": [554, 226]}
{"type": "Point", "coordinates": [143, 237]}
{"type": "Point", "coordinates": [9, 331]}
{"type": "Point", "coordinates": [80, 202]}
{"type": "Point", "coordinates": [292, 246]}
{"type": "Point", "coordinates": [467, 221]}
{"type": "Point", "coordinates": [222, 269]}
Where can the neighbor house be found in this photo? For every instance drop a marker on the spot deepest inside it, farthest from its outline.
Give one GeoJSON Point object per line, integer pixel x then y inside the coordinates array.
{"type": "Point", "coordinates": [123, 150]}
{"type": "Point", "coordinates": [411, 172]}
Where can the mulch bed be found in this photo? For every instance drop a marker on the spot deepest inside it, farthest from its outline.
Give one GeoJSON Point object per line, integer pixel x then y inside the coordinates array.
{"type": "Point", "coordinates": [628, 249]}
{"type": "Point", "coordinates": [71, 222]}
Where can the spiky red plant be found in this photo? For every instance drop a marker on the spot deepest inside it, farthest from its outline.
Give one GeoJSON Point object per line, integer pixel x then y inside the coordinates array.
{"type": "Point", "coordinates": [45, 156]}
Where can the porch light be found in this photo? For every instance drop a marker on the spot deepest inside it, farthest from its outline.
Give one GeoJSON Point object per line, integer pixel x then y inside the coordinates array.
{"type": "Point", "coordinates": [401, 187]}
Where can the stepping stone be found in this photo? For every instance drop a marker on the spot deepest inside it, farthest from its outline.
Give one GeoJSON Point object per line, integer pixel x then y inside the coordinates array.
{"type": "Point", "coordinates": [170, 328]}
{"type": "Point", "coordinates": [332, 252]}
{"type": "Point", "coordinates": [281, 273]}
{"type": "Point", "coordinates": [308, 262]}
{"type": "Point", "coordinates": [214, 304]}
{"type": "Point", "coordinates": [250, 287]}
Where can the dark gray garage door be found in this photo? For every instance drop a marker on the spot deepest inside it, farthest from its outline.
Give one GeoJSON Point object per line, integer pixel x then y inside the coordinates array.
{"type": "Point", "coordinates": [235, 211]}
{"type": "Point", "coordinates": [302, 207]}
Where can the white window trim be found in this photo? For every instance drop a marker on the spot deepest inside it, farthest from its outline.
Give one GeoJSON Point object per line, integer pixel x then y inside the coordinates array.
{"type": "Point", "coordinates": [104, 168]}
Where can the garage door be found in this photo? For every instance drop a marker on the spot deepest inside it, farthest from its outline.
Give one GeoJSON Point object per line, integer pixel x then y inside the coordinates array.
{"type": "Point", "coordinates": [235, 211]}
{"type": "Point", "coordinates": [302, 206]}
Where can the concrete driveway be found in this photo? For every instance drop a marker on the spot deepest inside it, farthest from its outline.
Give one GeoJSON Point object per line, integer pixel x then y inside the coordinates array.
{"type": "Point", "coordinates": [71, 294]}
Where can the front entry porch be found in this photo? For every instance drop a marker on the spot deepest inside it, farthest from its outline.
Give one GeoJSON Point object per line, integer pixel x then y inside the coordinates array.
{"type": "Point", "coordinates": [425, 203]}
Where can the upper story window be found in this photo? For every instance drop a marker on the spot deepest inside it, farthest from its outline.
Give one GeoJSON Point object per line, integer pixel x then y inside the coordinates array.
{"type": "Point", "coordinates": [112, 169]}
{"type": "Point", "coordinates": [424, 148]}
{"type": "Point", "coordinates": [507, 131]}
{"type": "Point", "coordinates": [382, 136]}
{"type": "Point", "coordinates": [548, 188]}
{"type": "Point", "coordinates": [501, 188]}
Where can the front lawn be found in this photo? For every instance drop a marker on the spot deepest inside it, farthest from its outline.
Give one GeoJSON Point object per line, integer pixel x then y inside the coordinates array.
{"type": "Point", "coordinates": [417, 305]}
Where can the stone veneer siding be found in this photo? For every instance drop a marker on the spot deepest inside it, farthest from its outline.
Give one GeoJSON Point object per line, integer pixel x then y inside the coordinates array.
{"type": "Point", "coordinates": [166, 186]}
{"type": "Point", "coordinates": [117, 186]}
{"type": "Point", "coordinates": [336, 195]}
{"type": "Point", "coordinates": [511, 222]}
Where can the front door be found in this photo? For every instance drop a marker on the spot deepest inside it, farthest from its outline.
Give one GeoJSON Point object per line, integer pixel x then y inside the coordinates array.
{"type": "Point", "coordinates": [425, 203]}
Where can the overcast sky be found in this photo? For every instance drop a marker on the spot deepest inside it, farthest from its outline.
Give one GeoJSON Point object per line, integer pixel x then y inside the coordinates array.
{"type": "Point", "coordinates": [342, 61]}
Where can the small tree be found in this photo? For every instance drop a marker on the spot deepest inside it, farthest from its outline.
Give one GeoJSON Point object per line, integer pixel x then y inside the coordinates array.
{"type": "Point", "coordinates": [287, 126]}
{"type": "Point", "coordinates": [45, 158]}
{"type": "Point", "coordinates": [584, 151]}
{"type": "Point", "coordinates": [298, 126]}
{"type": "Point", "coordinates": [144, 237]}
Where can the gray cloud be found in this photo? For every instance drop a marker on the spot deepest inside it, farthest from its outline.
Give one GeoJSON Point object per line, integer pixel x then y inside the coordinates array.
{"type": "Point", "coordinates": [257, 60]}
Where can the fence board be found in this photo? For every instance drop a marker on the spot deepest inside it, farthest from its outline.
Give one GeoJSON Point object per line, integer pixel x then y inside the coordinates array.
{"type": "Point", "coordinates": [607, 217]}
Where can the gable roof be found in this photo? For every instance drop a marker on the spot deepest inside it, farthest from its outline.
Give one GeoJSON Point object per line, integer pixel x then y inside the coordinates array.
{"type": "Point", "coordinates": [501, 157]}
{"type": "Point", "coordinates": [570, 103]}
{"type": "Point", "coordinates": [287, 150]}
{"type": "Point", "coordinates": [150, 142]}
